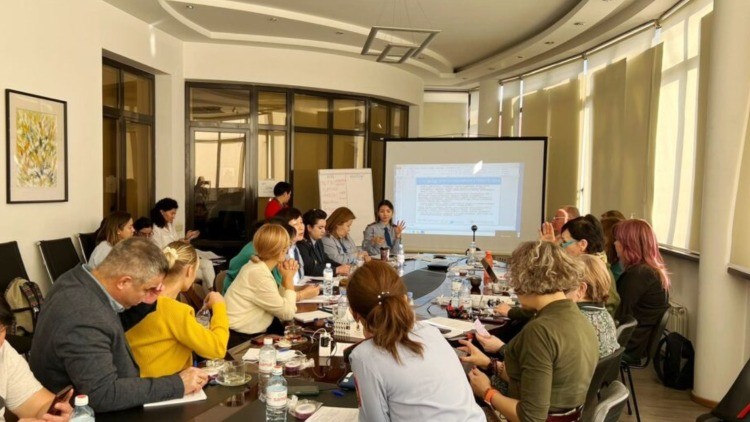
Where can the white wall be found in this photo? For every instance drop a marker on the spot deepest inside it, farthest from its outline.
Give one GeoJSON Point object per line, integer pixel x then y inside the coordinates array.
{"type": "Point", "coordinates": [684, 276]}
{"type": "Point", "coordinates": [308, 69]}
{"type": "Point", "coordinates": [54, 49]}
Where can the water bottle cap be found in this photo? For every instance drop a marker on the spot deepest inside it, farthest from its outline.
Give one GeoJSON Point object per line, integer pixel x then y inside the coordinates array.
{"type": "Point", "coordinates": [82, 400]}
{"type": "Point", "coordinates": [276, 370]}
{"type": "Point", "coordinates": [328, 265]}
{"type": "Point", "coordinates": [267, 341]}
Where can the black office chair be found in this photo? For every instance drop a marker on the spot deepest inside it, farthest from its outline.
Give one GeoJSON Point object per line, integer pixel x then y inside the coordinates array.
{"type": "Point", "coordinates": [653, 343]}
{"type": "Point", "coordinates": [613, 399]}
{"type": "Point", "coordinates": [625, 330]}
{"type": "Point", "coordinates": [735, 406]}
{"type": "Point", "coordinates": [59, 256]}
{"type": "Point", "coordinates": [604, 374]}
{"type": "Point", "coordinates": [12, 264]}
{"type": "Point", "coordinates": [87, 243]}
{"type": "Point", "coordinates": [12, 267]}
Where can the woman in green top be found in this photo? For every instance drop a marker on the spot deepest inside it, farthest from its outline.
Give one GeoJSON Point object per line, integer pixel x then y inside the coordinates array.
{"type": "Point", "coordinates": [549, 364]}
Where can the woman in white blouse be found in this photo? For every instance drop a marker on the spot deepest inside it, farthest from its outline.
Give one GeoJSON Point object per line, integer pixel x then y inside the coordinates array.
{"type": "Point", "coordinates": [115, 227]}
{"type": "Point", "coordinates": [163, 215]}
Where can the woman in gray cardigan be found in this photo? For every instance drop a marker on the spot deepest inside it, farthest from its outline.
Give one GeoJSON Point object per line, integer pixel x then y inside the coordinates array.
{"type": "Point", "coordinates": [338, 246]}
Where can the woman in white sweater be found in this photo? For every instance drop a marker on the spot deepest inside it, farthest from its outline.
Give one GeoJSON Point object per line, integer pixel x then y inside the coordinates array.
{"type": "Point", "coordinates": [255, 303]}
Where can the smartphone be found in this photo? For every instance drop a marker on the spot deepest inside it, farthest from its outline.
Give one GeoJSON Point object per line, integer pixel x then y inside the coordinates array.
{"type": "Point", "coordinates": [304, 390]}
{"type": "Point", "coordinates": [59, 398]}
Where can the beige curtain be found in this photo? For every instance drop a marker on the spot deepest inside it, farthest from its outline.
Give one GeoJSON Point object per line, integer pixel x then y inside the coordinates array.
{"type": "Point", "coordinates": [564, 145]}
{"type": "Point", "coordinates": [625, 102]}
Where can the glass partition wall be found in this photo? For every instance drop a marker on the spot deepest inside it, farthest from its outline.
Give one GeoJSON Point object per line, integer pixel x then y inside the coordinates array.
{"type": "Point", "coordinates": [242, 137]}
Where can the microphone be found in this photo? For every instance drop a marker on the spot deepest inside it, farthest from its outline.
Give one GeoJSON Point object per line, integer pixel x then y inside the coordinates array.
{"type": "Point", "coordinates": [474, 233]}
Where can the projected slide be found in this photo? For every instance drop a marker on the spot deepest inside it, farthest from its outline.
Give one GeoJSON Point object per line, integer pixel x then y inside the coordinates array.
{"type": "Point", "coordinates": [447, 199]}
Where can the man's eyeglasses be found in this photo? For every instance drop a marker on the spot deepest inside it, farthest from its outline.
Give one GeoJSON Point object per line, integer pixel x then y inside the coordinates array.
{"type": "Point", "coordinates": [568, 243]}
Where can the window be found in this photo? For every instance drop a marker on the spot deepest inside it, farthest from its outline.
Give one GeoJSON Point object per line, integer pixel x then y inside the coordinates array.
{"type": "Point", "coordinates": [128, 139]}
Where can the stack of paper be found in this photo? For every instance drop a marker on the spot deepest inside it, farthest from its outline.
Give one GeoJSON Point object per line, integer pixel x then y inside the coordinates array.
{"type": "Point", "coordinates": [311, 316]}
{"type": "Point", "coordinates": [197, 396]}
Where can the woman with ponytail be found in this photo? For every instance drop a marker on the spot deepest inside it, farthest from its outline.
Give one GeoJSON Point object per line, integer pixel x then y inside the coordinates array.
{"type": "Point", "coordinates": [164, 341]}
{"type": "Point", "coordinates": [643, 286]}
{"type": "Point", "coordinates": [404, 370]}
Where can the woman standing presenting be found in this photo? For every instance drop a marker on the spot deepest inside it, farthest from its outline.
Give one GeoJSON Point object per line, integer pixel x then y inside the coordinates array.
{"type": "Point", "coordinates": [404, 370]}
{"type": "Point", "coordinates": [383, 233]}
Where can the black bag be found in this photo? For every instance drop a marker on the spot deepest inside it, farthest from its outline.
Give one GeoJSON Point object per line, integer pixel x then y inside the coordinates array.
{"type": "Point", "coordinates": [674, 361]}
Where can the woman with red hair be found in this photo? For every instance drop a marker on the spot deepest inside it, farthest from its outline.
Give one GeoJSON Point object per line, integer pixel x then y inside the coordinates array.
{"type": "Point", "coordinates": [644, 284]}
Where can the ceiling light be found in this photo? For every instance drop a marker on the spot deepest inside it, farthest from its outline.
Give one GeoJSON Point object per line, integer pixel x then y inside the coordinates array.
{"type": "Point", "coordinates": [189, 6]}
{"type": "Point", "coordinates": [490, 68]}
{"type": "Point", "coordinates": [397, 52]}
{"type": "Point", "coordinates": [579, 23]}
{"type": "Point", "coordinates": [549, 42]}
{"type": "Point", "coordinates": [421, 57]}
{"type": "Point", "coordinates": [519, 57]}
{"type": "Point", "coordinates": [339, 33]}
{"type": "Point", "coordinates": [464, 78]}
{"type": "Point", "coordinates": [273, 19]}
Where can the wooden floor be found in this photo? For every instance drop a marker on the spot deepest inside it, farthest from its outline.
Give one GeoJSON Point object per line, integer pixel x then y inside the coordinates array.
{"type": "Point", "coordinates": [658, 403]}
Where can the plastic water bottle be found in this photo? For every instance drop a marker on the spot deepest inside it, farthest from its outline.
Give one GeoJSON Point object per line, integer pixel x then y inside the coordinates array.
{"type": "Point", "coordinates": [466, 296]}
{"type": "Point", "coordinates": [400, 258]}
{"type": "Point", "coordinates": [82, 412]}
{"type": "Point", "coordinates": [328, 281]}
{"type": "Point", "coordinates": [455, 291]}
{"type": "Point", "coordinates": [470, 259]}
{"type": "Point", "coordinates": [276, 397]}
{"type": "Point", "coordinates": [266, 363]}
{"type": "Point", "coordinates": [343, 306]}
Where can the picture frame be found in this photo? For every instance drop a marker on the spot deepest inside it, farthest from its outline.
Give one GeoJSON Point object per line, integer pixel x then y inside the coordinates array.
{"type": "Point", "coordinates": [36, 148]}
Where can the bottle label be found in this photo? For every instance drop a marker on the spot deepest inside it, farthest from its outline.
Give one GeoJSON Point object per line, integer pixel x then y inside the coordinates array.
{"type": "Point", "coordinates": [276, 397]}
{"type": "Point", "coordinates": [266, 365]}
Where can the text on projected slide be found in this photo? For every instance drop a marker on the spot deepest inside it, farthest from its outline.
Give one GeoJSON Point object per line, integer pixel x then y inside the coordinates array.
{"type": "Point", "coordinates": [447, 199]}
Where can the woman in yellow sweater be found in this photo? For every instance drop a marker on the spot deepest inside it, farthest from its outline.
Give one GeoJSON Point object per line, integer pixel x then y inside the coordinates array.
{"type": "Point", "coordinates": [164, 341]}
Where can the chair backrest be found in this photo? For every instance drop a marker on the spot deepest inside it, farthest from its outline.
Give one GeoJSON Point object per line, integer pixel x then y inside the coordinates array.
{"type": "Point", "coordinates": [12, 265]}
{"type": "Point", "coordinates": [87, 242]}
{"type": "Point", "coordinates": [625, 330]}
{"type": "Point", "coordinates": [607, 370]}
{"type": "Point", "coordinates": [219, 282]}
{"type": "Point", "coordinates": [655, 336]}
{"type": "Point", "coordinates": [737, 398]}
{"type": "Point", "coordinates": [59, 256]}
{"type": "Point", "coordinates": [613, 399]}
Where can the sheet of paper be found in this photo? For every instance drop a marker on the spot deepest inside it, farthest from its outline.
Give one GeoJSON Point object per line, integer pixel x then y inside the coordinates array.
{"type": "Point", "coordinates": [265, 188]}
{"type": "Point", "coordinates": [479, 327]}
{"type": "Point", "coordinates": [197, 396]}
{"type": "Point", "coordinates": [340, 348]}
{"type": "Point", "coordinates": [311, 316]}
{"type": "Point", "coordinates": [252, 354]}
{"type": "Point", "coordinates": [321, 299]}
{"type": "Point", "coordinates": [335, 414]}
{"type": "Point", "coordinates": [208, 255]}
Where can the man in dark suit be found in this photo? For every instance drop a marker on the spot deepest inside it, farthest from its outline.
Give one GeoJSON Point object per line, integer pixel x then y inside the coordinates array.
{"type": "Point", "coordinates": [79, 338]}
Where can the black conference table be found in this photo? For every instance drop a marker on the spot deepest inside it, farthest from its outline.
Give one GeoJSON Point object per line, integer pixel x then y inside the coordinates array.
{"type": "Point", "coordinates": [242, 404]}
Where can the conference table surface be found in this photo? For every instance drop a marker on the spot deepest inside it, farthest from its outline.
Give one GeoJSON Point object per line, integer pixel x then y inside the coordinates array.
{"type": "Point", "coordinates": [241, 403]}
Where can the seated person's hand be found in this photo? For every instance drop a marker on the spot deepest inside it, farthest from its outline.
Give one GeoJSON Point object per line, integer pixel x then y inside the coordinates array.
{"type": "Point", "coordinates": [308, 292]}
{"type": "Point", "coordinates": [288, 268]}
{"type": "Point", "coordinates": [502, 309]}
{"type": "Point", "coordinates": [547, 233]}
{"type": "Point", "coordinates": [66, 411]}
{"type": "Point", "coordinates": [490, 344]}
{"type": "Point", "coordinates": [479, 382]}
{"type": "Point", "coordinates": [474, 356]}
{"type": "Point", "coordinates": [364, 256]}
{"type": "Point", "coordinates": [213, 298]}
{"type": "Point", "coordinates": [192, 234]}
{"type": "Point", "coordinates": [343, 269]}
{"type": "Point", "coordinates": [400, 226]}
{"type": "Point", "coordinates": [378, 240]}
{"type": "Point", "coordinates": [193, 379]}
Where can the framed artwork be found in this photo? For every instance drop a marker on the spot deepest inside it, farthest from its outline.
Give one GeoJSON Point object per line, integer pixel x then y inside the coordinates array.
{"type": "Point", "coordinates": [36, 148]}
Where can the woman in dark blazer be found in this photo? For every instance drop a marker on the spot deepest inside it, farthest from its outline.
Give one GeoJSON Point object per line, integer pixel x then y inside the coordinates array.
{"type": "Point", "coordinates": [311, 248]}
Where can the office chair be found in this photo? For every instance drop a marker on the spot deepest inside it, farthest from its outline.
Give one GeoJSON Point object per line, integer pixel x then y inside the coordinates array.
{"type": "Point", "coordinates": [735, 405]}
{"type": "Point", "coordinates": [87, 243]}
{"type": "Point", "coordinates": [12, 266]}
{"type": "Point", "coordinates": [611, 404]}
{"type": "Point", "coordinates": [219, 282]}
{"type": "Point", "coordinates": [59, 256]}
{"type": "Point", "coordinates": [653, 343]}
{"type": "Point", "coordinates": [604, 374]}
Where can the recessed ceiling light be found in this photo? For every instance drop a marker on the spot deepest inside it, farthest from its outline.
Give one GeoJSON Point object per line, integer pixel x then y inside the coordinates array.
{"type": "Point", "coordinates": [464, 78]}
{"type": "Point", "coordinates": [549, 42]}
{"type": "Point", "coordinates": [519, 57]}
{"type": "Point", "coordinates": [579, 23]}
{"type": "Point", "coordinates": [339, 33]}
{"type": "Point", "coordinates": [273, 19]}
{"type": "Point", "coordinates": [490, 68]}
{"type": "Point", "coordinates": [421, 57]}
{"type": "Point", "coordinates": [189, 6]}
